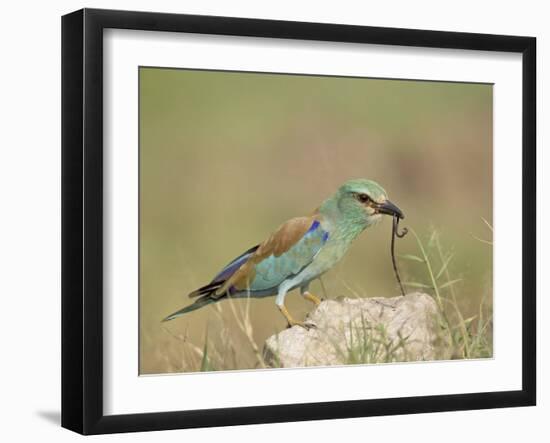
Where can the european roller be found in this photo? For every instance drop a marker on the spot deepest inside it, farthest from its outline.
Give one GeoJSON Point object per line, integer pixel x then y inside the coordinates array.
{"type": "Point", "coordinates": [299, 251]}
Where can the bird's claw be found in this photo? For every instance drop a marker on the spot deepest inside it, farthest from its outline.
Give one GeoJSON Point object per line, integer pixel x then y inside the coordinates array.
{"type": "Point", "coordinates": [306, 325]}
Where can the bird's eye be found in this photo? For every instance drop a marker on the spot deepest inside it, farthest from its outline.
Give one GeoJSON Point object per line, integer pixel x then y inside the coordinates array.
{"type": "Point", "coordinates": [363, 198]}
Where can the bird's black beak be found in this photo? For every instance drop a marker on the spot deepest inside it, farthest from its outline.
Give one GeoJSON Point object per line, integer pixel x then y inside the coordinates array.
{"type": "Point", "coordinates": [390, 209]}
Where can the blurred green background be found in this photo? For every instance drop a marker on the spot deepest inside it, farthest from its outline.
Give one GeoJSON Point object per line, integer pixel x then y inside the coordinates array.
{"type": "Point", "coordinates": [226, 157]}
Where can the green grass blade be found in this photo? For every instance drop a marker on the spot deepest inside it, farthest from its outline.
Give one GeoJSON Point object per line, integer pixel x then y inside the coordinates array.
{"type": "Point", "coordinates": [449, 283]}
{"type": "Point", "coordinates": [415, 284]}
{"type": "Point", "coordinates": [444, 267]}
{"type": "Point", "coordinates": [412, 257]}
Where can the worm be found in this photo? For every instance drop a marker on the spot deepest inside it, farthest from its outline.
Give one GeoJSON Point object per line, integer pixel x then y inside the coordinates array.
{"type": "Point", "coordinates": [396, 233]}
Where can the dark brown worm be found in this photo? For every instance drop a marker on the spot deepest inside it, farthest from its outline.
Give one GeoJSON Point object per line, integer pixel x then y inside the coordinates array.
{"type": "Point", "coordinates": [395, 233]}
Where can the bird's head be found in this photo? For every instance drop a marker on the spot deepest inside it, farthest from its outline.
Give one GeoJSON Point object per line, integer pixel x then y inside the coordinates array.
{"type": "Point", "coordinates": [363, 202]}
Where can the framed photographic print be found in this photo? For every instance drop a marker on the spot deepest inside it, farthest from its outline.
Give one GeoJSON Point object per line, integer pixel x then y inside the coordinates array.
{"type": "Point", "coordinates": [303, 220]}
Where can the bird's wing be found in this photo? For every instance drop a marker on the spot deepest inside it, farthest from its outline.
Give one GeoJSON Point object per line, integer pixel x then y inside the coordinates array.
{"type": "Point", "coordinates": [285, 253]}
{"type": "Point", "coordinates": [232, 267]}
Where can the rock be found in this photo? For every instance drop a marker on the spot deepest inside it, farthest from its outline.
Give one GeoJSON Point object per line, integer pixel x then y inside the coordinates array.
{"type": "Point", "coordinates": [359, 330]}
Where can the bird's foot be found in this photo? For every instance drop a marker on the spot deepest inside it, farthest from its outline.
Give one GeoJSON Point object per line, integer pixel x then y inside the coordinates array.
{"type": "Point", "coordinates": [291, 322]}
{"type": "Point", "coordinates": [307, 325]}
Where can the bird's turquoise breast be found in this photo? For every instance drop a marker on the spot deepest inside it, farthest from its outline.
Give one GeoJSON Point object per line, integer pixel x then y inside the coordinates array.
{"type": "Point", "coordinates": [339, 241]}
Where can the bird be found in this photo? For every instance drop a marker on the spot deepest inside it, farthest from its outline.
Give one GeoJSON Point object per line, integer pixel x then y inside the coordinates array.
{"type": "Point", "coordinates": [299, 251]}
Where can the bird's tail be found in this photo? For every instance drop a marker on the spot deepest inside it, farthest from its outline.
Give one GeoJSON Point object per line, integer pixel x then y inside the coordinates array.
{"type": "Point", "coordinates": [199, 303]}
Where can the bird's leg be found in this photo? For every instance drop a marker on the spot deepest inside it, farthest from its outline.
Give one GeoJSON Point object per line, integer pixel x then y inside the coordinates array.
{"type": "Point", "coordinates": [312, 298]}
{"type": "Point", "coordinates": [280, 302]}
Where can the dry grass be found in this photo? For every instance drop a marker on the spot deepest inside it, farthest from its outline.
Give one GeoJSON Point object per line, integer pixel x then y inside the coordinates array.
{"type": "Point", "coordinates": [461, 337]}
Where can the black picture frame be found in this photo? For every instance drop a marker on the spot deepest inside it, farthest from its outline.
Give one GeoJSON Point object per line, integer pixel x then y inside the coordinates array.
{"type": "Point", "coordinates": [82, 220]}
